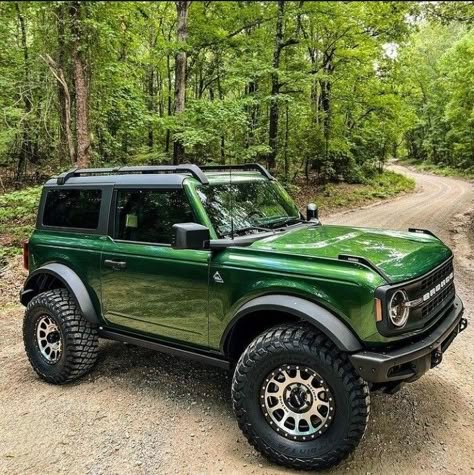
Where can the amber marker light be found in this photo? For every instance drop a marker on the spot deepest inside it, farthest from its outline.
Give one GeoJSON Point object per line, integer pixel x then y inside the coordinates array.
{"type": "Point", "coordinates": [378, 310]}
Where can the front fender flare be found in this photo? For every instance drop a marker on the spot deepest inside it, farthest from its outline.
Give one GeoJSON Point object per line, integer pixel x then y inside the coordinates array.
{"type": "Point", "coordinates": [308, 311]}
{"type": "Point", "coordinates": [70, 280]}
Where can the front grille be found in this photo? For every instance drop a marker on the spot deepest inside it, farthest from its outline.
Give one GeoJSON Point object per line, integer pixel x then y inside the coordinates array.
{"type": "Point", "coordinates": [436, 292]}
{"type": "Point", "coordinates": [426, 313]}
{"type": "Point", "coordinates": [433, 304]}
{"type": "Point", "coordinates": [430, 281]}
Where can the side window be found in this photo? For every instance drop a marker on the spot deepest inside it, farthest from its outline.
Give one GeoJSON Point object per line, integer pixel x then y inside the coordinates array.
{"type": "Point", "coordinates": [149, 215]}
{"type": "Point", "coordinates": [72, 208]}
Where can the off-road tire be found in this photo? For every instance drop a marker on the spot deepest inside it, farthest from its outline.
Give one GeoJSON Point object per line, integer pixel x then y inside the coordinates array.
{"type": "Point", "coordinates": [299, 344]}
{"type": "Point", "coordinates": [79, 337]}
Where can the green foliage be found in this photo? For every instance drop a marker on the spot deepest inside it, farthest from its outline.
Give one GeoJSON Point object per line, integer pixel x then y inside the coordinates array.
{"type": "Point", "coordinates": [441, 170]}
{"type": "Point", "coordinates": [381, 186]}
{"type": "Point", "coordinates": [358, 83]}
{"type": "Point", "coordinates": [17, 216]}
{"type": "Point", "coordinates": [437, 71]}
{"type": "Point", "coordinates": [130, 48]}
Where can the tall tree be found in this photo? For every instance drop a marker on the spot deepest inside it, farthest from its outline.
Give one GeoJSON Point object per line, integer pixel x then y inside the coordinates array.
{"type": "Point", "coordinates": [26, 148]}
{"type": "Point", "coordinates": [143, 82]}
{"type": "Point", "coordinates": [279, 45]}
{"type": "Point", "coordinates": [81, 85]}
{"type": "Point", "coordinates": [182, 7]}
{"type": "Point", "coordinates": [64, 98]}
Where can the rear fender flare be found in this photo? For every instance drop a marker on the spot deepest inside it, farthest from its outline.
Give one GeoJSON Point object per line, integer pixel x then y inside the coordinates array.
{"type": "Point", "coordinates": [325, 321]}
{"type": "Point", "coordinates": [70, 280]}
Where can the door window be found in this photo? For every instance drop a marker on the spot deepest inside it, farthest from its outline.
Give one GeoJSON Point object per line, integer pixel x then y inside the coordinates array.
{"type": "Point", "coordinates": [149, 215]}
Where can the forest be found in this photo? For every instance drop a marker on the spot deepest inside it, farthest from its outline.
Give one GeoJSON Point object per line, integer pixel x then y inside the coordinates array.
{"type": "Point", "coordinates": [330, 90]}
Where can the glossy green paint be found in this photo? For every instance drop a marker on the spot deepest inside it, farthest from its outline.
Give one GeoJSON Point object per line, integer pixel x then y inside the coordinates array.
{"type": "Point", "coordinates": [81, 252]}
{"type": "Point", "coordinates": [345, 289]}
{"type": "Point", "coordinates": [172, 294]}
{"type": "Point", "coordinates": [303, 262]}
{"type": "Point", "coordinates": [401, 255]}
{"type": "Point", "coordinates": [162, 291]}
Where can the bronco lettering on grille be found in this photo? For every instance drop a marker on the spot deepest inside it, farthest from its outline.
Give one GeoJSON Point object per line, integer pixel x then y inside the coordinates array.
{"type": "Point", "coordinates": [430, 293]}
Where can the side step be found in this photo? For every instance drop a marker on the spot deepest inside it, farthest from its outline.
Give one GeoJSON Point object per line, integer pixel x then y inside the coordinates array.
{"type": "Point", "coordinates": [209, 359]}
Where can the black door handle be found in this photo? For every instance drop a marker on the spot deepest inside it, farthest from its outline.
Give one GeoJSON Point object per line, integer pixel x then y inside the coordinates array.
{"type": "Point", "coordinates": [116, 265]}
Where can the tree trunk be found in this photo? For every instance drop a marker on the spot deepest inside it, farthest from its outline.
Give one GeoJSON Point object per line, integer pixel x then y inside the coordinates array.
{"type": "Point", "coordinates": [285, 155]}
{"type": "Point", "coordinates": [274, 112]}
{"type": "Point", "coordinates": [182, 7]}
{"type": "Point", "coordinates": [169, 100]}
{"type": "Point", "coordinates": [251, 90]}
{"type": "Point", "coordinates": [152, 89]}
{"type": "Point", "coordinates": [221, 98]}
{"type": "Point", "coordinates": [65, 105]}
{"type": "Point", "coordinates": [66, 141]}
{"type": "Point", "coordinates": [151, 103]}
{"type": "Point", "coordinates": [81, 86]}
{"type": "Point", "coordinates": [26, 146]}
{"type": "Point", "coordinates": [62, 144]}
{"type": "Point", "coordinates": [325, 100]}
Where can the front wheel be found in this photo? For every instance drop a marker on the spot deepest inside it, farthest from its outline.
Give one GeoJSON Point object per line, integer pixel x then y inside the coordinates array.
{"type": "Point", "coordinates": [298, 399]}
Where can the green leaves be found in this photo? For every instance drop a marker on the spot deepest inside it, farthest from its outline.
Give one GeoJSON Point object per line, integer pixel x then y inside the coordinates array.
{"type": "Point", "coordinates": [344, 104]}
{"type": "Point", "coordinates": [17, 216]}
{"type": "Point", "coordinates": [437, 67]}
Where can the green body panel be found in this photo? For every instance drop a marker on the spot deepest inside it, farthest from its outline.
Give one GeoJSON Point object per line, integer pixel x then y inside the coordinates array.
{"type": "Point", "coordinates": [163, 291]}
{"type": "Point", "coordinates": [401, 255]}
{"type": "Point", "coordinates": [80, 252]}
{"type": "Point", "coordinates": [343, 288]}
{"type": "Point", "coordinates": [172, 294]}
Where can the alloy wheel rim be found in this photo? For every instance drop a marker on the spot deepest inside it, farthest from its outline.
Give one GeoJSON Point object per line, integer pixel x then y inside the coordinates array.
{"type": "Point", "coordinates": [48, 337]}
{"type": "Point", "coordinates": [297, 402]}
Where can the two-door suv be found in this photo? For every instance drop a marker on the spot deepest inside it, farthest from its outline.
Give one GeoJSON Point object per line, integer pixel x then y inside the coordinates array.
{"type": "Point", "coordinates": [217, 264]}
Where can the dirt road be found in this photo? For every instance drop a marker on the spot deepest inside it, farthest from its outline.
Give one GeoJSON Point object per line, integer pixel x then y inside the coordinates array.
{"type": "Point", "coordinates": [142, 412]}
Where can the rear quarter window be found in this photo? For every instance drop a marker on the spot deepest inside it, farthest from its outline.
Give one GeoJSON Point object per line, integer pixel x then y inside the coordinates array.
{"type": "Point", "coordinates": [72, 208]}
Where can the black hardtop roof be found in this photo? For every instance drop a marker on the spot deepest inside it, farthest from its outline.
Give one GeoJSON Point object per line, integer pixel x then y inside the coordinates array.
{"type": "Point", "coordinates": [165, 175]}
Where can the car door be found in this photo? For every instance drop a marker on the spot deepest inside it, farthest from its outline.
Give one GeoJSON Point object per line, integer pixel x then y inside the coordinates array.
{"type": "Point", "coordinates": [147, 286]}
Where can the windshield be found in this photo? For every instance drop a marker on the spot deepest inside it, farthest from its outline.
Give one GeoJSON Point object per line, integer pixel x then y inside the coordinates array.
{"type": "Point", "coordinates": [255, 206]}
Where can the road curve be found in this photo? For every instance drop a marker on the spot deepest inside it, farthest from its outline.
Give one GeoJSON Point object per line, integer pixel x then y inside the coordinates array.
{"type": "Point", "coordinates": [434, 204]}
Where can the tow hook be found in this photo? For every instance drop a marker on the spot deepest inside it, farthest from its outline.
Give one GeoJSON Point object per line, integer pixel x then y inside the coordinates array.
{"type": "Point", "coordinates": [436, 358]}
{"type": "Point", "coordinates": [463, 324]}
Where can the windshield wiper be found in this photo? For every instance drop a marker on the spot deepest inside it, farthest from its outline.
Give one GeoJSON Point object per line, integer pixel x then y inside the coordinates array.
{"type": "Point", "coordinates": [251, 228]}
{"type": "Point", "coordinates": [286, 222]}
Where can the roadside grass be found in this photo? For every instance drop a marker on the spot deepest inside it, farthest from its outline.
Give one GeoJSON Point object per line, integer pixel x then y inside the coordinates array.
{"type": "Point", "coordinates": [18, 208]}
{"type": "Point", "coordinates": [441, 170]}
{"type": "Point", "coordinates": [336, 197]}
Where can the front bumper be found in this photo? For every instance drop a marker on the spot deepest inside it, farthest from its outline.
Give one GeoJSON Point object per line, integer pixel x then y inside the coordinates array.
{"type": "Point", "coordinates": [410, 362]}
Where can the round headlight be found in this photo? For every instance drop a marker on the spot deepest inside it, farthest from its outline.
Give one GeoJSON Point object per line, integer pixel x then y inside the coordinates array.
{"type": "Point", "coordinates": [398, 311]}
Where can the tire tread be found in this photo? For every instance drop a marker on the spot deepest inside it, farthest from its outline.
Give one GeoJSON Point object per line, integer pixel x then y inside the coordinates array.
{"type": "Point", "coordinates": [289, 338]}
{"type": "Point", "coordinates": [79, 336]}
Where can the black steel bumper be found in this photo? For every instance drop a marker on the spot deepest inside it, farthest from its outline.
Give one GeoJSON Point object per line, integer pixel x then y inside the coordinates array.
{"type": "Point", "coordinates": [409, 362]}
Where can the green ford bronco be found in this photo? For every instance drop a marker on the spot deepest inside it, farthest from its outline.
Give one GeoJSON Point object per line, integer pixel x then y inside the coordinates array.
{"type": "Point", "coordinates": [217, 264]}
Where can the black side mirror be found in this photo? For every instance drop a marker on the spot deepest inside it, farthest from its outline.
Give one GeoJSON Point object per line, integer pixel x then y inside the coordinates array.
{"type": "Point", "coordinates": [190, 236]}
{"type": "Point", "coordinates": [312, 213]}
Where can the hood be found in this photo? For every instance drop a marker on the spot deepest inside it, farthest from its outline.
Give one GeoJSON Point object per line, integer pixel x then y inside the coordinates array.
{"type": "Point", "coordinates": [401, 255]}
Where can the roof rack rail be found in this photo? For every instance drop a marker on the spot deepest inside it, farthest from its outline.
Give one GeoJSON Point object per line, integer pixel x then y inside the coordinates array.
{"type": "Point", "coordinates": [194, 170]}
{"type": "Point", "coordinates": [246, 167]}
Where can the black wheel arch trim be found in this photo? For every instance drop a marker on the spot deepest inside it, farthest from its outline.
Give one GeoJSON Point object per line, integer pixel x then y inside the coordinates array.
{"type": "Point", "coordinates": [321, 318]}
{"type": "Point", "coordinates": [70, 280]}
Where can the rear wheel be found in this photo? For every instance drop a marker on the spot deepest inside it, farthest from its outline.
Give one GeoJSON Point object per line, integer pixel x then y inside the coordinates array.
{"type": "Point", "coordinates": [298, 399]}
{"type": "Point", "coordinates": [59, 342]}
